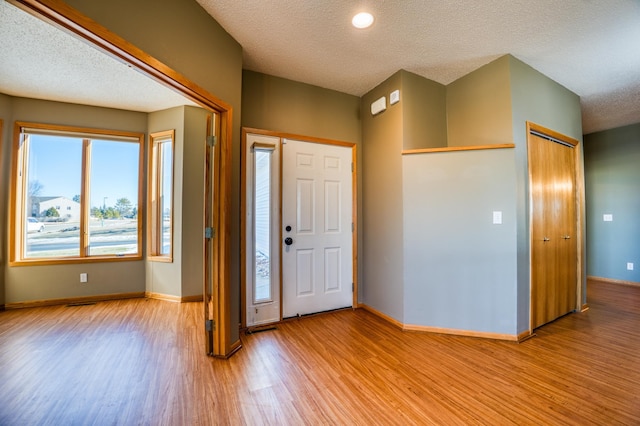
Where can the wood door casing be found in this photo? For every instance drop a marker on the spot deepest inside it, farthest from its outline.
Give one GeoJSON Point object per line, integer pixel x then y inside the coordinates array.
{"type": "Point", "coordinates": [552, 169]}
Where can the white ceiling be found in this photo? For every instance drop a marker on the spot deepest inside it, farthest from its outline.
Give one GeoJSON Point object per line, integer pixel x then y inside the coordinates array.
{"type": "Point", "coordinates": [591, 47]}
{"type": "Point", "coordinates": [40, 61]}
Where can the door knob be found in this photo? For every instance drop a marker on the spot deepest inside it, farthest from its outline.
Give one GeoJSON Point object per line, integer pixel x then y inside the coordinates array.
{"type": "Point", "coordinates": [566, 237]}
{"type": "Point", "coordinates": [288, 241]}
{"type": "Point", "coordinates": [545, 239]}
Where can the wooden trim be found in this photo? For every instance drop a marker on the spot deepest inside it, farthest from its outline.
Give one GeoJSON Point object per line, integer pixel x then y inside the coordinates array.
{"type": "Point", "coordinates": [172, 298]}
{"type": "Point", "coordinates": [264, 146]}
{"type": "Point", "coordinates": [525, 335]}
{"type": "Point", "coordinates": [439, 330]}
{"type": "Point", "coordinates": [222, 251]}
{"type": "Point", "coordinates": [85, 210]}
{"type": "Point", "coordinates": [73, 300]}
{"type": "Point", "coordinates": [552, 133]}
{"type": "Point", "coordinates": [243, 229]}
{"type": "Point", "coordinates": [69, 19]}
{"type": "Point", "coordinates": [457, 332]}
{"type": "Point", "coordinates": [354, 220]}
{"type": "Point", "coordinates": [191, 299]}
{"type": "Point", "coordinates": [457, 148]}
{"type": "Point", "coordinates": [284, 135]}
{"type": "Point", "coordinates": [613, 281]}
{"type": "Point", "coordinates": [155, 215]}
{"type": "Point", "coordinates": [385, 317]}
{"type": "Point", "coordinates": [243, 207]}
{"type": "Point", "coordinates": [19, 185]}
{"type": "Point", "coordinates": [580, 212]}
{"type": "Point", "coordinates": [162, 296]}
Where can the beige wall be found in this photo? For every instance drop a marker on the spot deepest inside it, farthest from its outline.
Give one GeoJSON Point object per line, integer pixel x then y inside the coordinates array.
{"type": "Point", "coordinates": [424, 112]}
{"type": "Point", "coordinates": [29, 283]}
{"type": "Point", "coordinates": [184, 37]}
{"type": "Point", "coordinates": [161, 277]}
{"type": "Point", "coordinates": [195, 132]}
{"type": "Point", "coordinates": [479, 106]}
{"type": "Point", "coordinates": [538, 99]}
{"type": "Point", "coordinates": [5, 143]}
{"type": "Point", "coordinates": [382, 262]}
{"type": "Point", "coordinates": [277, 104]}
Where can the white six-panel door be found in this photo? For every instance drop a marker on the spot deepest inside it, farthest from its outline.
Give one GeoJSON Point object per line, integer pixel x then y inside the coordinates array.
{"type": "Point", "coordinates": [317, 261]}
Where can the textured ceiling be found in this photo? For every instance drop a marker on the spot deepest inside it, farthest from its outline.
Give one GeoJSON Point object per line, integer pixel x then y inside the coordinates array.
{"type": "Point", "coordinates": [592, 47]}
{"type": "Point", "coordinates": [39, 61]}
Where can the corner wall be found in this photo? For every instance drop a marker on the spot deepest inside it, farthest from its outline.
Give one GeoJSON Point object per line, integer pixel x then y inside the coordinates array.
{"type": "Point", "coordinates": [5, 155]}
{"type": "Point", "coordinates": [183, 36]}
{"type": "Point", "coordinates": [538, 99]}
{"type": "Point", "coordinates": [383, 224]}
{"type": "Point", "coordinates": [479, 106]}
{"type": "Point", "coordinates": [162, 277]}
{"type": "Point", "coordinates": [613, 187]}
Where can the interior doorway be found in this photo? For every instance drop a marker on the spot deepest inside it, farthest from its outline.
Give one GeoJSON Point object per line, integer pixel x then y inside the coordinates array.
{"type": "Point", "coordinates": [218, 341]}
{"type": "Point", "coordinates": [299, 227]}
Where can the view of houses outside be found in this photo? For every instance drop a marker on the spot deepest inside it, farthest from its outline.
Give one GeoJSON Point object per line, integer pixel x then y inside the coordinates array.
{"type": "Point", "coordinates": [54, 181]}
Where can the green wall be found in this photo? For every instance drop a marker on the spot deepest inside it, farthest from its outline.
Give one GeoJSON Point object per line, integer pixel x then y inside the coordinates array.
{"type": "Point", "coordinates": [428, 216]}
{"type": "Point", "coordinates": [612, 174]}
{"type": "Point", "coordinates": [538, 99]}
{"type": "Point", "coordinates": [423, 103]}
{"type": "Point", "coordinates": [5, 143]}
{"type": "Point", "coordinates": [183, 36]}
{"type": "Point", "coordinates": [383, 227]}
{"type": "Point", "coordinates": [278, 104]}
{"type": "Point", "coordinates": [43, 282]}
{"type": "Point", "coordinates": [286, 106]}
{"type": "Point", "coordinates": [479, 106]}
{"type": "Point", "coordinates": [162, 277]}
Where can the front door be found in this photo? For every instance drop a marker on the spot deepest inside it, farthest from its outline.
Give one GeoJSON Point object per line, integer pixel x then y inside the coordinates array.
{"type": "Point", "coordinates": [317, 244]}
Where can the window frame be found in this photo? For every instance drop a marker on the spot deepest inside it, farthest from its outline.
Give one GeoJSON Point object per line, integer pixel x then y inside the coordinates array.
{"type": "Point", "coordinates": [19, 186]}
{"type": "Point", "coordinates": [155, 214]}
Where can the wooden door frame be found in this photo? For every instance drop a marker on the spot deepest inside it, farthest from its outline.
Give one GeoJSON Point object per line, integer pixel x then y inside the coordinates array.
{"type": "Point", "coordinates": [243, 209]}
{"type": "Point", "coordinates": [580, 214]}
{"type": "Point", "coordinates": [70, 20]}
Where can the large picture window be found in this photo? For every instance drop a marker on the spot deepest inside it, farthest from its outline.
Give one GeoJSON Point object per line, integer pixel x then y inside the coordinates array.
{"type": "Point", "coordinates": [76, 194]}
{"type": "Point", "coordinates": [161, 196]}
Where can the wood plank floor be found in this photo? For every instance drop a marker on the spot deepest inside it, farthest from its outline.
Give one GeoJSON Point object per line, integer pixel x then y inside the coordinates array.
{"type": "Point", "coordinates": [141, 362]}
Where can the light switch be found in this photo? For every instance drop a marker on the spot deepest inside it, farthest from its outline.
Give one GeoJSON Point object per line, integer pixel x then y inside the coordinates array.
{"type": "Point", "coordinates": [607, 217]}
{"type": "Point", "coordinates": [497, 218]}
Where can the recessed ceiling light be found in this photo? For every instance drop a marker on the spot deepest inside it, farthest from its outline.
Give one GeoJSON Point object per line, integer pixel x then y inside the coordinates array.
{"type": "Point", "coordinates": [362, 20]}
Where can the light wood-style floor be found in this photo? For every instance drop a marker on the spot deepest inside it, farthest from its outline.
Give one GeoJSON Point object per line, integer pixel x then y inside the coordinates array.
{"type": "Point", "coordinates": [141, 362]}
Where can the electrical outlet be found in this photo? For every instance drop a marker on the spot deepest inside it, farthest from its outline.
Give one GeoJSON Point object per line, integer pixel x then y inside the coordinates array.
{"type": "Point", "coordinates": [629, 266]}
{"type": "Point", "coordinates": [83, 277]}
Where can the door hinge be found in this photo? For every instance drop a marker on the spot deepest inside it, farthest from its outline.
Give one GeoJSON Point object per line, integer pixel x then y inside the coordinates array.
{"type": "Point", "coordinates": [212, 140]}
{"type": "Point", "coordinates": [351, 167]}
{"type": "Point", "coordinates": [353, 287]}
{"type": "Point", "coordinates": [209, 232]}
{"type": "Point", "coordinates": [209, 325]}
{"type": "Point", "coordinates": [353, 227]}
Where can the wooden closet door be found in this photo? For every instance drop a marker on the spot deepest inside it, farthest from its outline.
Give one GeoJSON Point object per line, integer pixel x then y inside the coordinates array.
{"type": "Point", "coordinates": [553, 230]}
